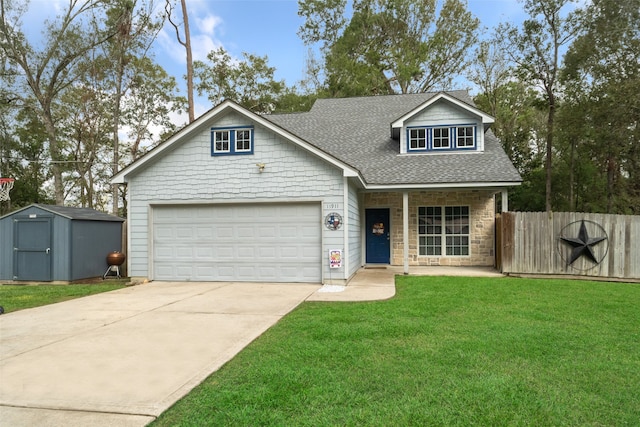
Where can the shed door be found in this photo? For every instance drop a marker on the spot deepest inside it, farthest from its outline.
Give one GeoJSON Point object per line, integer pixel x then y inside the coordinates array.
{"type": "Point", "coordinates": [257, 242]}
{"type": "Point", "coordinates": [32, 249]}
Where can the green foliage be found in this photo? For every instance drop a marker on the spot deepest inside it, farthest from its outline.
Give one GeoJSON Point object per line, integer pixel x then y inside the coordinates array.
{"type": "Point", "coordinates": [399, 46]}
{"type": "Point", "coordinates": [250, 82]}
{"type": "Point", "coordinates": [444, 351]}
{"type": "Point", "coordinates": [601, 73]}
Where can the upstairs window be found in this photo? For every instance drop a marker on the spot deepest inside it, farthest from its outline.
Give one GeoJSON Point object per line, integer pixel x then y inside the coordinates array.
{"type": "Point", "coordinates": [221, 141]}
{"type": "Point", "coordinates": [441, 138]}
{"type": "Point", "coordinates": [226, 141]}
{"type": "Point", "coordinates": [418, 139]}
{"type": "Point", "coordinates": [465, 136]}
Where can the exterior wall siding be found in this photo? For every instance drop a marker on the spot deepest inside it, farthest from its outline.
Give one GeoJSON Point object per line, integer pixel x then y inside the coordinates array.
{"type": "Point", "coordinates": [355, 231]}
{"type": "Point", "coordinates": [189, 174]}
{"type": "Point", "coordinates": [482, 230]}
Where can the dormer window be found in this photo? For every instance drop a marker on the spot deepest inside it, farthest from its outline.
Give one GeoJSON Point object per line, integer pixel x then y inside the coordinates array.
{"type": "Point", "coordinates": [440, 138]}
{"type": "Point", "coordinates": [418, 139]}
{"type": "Point", "coordinates": [437, 138]}
{"type": "Point", "coordinates": [466, 137]}
{"type": "Point", "coordinates": [226, 141]}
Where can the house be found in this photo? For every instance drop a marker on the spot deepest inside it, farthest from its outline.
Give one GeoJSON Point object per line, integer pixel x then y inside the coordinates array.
{"type": "Point", "coordinates": [48, 243]}
{"type": "Point", "coordinates": [312, 197]}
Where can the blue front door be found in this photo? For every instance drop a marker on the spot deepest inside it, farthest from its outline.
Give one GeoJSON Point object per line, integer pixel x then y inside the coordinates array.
{"type": "Point", "coordinates": [32, 249]}
{"type": "Point", "coordinates": [378, 235]}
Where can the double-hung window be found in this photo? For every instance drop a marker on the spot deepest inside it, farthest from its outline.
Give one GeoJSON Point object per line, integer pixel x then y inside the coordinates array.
{"type": "Point", "coordinates": [465, 136]}
{"type": "Point", "coordinates": [418, 139]}
{"type": "Point", "coordinates": [232, 140]}
{"type": "Point", "coordinates": [443, 230]}
{"type": "Point", "coordinates": [440, 138]}
{"type": "Point", "coordinates": [221, 141]}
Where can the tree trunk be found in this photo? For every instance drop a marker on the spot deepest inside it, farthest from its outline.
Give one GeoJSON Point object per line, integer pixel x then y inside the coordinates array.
{"type": "Point", "coordinates": [550, 119]}
{"type": "Point", "coordinates": [571, 176]}
{"type": "Point", "coordinates": [187, 46]}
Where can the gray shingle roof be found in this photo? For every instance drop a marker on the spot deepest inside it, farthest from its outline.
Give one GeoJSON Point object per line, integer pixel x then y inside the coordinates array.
{"type": "Point", "coordinates": [85, 214]}
{"type": "Point", "coordinates": [357, 132]}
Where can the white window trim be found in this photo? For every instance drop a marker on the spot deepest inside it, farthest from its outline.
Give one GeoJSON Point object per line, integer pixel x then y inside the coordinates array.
{"type": "Point", "coordinates": [433, 138]}
{"type": "Point", "coordinates": [443, 234]}
{"type": "Point", "coordinates": [215, 140]}
{"type": "Point", "coordinates": [426, 139]}
{"type": "Point", "coordinates": [236, 139]}
{"type": "Point", "coordinates": [472, 136]}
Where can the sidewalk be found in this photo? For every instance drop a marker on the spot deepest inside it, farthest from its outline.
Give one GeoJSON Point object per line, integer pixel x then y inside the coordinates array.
{"type": "Point", "coordinates": [378, 283]}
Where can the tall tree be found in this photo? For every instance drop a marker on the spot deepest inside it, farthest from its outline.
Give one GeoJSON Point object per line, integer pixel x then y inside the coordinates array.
{"type": "Point", "coordinates": [398, 46]}
{"type": "Point", "coordinates": [187, 47]}
{"type": "Point", "coordinates": [44, 73]}
{"type": "Point", "coordinates": [602, 74]}
{"type": "Point", "coordinates": [250, 81]}
{"type": "Point", "coordinates": [536, 49]}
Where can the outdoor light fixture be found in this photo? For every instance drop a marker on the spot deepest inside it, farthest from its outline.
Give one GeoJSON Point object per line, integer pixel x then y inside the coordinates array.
{"type": "Point", "coordinates": [260, 167]}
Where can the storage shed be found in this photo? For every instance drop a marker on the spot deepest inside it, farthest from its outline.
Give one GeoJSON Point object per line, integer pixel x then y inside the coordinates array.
{"type": "Point", "coordinates": [57, 243]}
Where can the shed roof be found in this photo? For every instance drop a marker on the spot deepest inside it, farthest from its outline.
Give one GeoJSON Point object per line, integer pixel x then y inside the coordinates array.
{"type": "Point", "coordinates": [83, 214]}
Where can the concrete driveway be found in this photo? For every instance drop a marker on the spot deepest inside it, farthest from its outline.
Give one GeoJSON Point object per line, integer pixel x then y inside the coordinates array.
{"type": "Point", "coordinates": [123, 357]}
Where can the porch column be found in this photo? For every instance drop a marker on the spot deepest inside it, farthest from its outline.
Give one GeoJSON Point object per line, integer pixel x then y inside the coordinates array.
{"type": "Point", "coordinates": [405, 230]}
{"type": "Point", "coordinates": [505, 200]}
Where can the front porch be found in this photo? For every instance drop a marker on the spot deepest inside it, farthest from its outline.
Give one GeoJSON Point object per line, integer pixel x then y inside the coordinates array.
{"type": "Point", "coordinates": [443, 228]}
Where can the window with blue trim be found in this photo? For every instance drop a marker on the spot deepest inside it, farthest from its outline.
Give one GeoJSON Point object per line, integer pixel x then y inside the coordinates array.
{"type": "Point", "coordinates": [437, 138]}
{"type": "Point", "coordinates": [225, 141]}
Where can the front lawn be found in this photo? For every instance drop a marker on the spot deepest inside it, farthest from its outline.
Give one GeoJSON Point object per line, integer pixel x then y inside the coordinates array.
{"type": "Point", "coordinates": [19, 297]}
{"type": "Point", "coordinates": [444, 351]}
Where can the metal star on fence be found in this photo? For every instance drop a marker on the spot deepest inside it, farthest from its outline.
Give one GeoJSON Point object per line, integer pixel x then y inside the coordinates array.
{"type": "Point", "coordinates": [583, 244]}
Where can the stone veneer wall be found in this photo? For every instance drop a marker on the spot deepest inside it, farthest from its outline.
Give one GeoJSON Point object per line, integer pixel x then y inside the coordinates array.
{"type": "Point", "coordinates": [482, 218]}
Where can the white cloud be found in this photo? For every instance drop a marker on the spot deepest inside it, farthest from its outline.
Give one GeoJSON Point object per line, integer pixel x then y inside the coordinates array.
{"type": "Point", "coordinates": [209, 24]}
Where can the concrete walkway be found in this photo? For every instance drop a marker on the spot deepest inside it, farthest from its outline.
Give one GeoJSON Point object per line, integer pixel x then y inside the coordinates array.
{"type": "Point", "coordinates": [375, 283]}
{"type": "Point", "coordinates": [122, 358]}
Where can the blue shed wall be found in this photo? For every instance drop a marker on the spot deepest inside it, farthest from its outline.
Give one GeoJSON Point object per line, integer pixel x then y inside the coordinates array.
{"type": "Point", "coordinates": [91, 242]}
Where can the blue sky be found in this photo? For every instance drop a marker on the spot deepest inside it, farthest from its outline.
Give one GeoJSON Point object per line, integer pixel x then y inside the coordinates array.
{"type": "Point", "coordinates": [261, 27]}
{"type": "Point", "coordinates": [269, 27]}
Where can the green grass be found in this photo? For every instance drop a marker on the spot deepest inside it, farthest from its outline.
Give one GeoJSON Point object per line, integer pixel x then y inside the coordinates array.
{"type": "Point", "coordinates": [444, 351]}
{"type": "Point", "coordinates": [19, 297]}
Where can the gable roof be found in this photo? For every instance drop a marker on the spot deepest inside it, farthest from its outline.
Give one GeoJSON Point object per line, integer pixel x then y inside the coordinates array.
{"type": "Point", "coordinates": [354, 134]}
{"type": "Point", "coordinates": [204, 122]}
{"type": "Point", "coordinates": [467, 105]}
{"type": "Point", "coordinates": [84, 214]}
{"type": "Point", "coordinates": [357, 131]}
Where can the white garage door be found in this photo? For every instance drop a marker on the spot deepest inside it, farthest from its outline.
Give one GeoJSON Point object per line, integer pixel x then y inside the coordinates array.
{"type": "Point", "coordinates": [259, 242]}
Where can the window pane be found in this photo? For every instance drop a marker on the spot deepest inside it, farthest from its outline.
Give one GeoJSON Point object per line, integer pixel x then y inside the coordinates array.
{"type": "Point", "coordinates": [440, 137]}
{"type": "Point", "coordinates": [243, 140]}
{"type": "Point", "coordinates": [417, 139]}
{"type": "Point", "coordinates": [430, 230]}
{"type": "Point", "coordinates": [221, 141]}
{"type": "Point", "coordinates": [465, 136]}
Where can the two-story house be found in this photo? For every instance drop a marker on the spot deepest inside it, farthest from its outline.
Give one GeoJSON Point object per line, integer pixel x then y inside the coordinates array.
{"type": "Point", "coordinates": [312, 197]}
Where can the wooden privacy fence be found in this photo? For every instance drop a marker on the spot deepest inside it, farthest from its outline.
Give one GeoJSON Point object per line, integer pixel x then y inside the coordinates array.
{"type": "Point", "coordinates": [597, 245]}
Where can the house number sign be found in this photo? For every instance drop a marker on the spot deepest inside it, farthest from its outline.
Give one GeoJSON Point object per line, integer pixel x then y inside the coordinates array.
{"type": "Point", "coordinates": [333, 221]}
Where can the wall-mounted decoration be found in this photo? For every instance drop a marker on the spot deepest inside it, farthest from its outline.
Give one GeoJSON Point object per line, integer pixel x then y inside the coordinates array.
{"type": "Point", "coordinates": [579, 242]}
{"type": "Point", "coordinates": [378, 228]}
{"type": "Point", "coordinates": [333, 221]}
